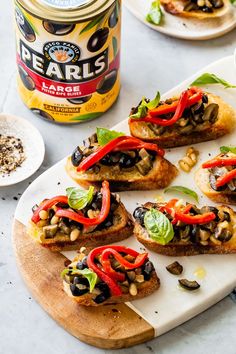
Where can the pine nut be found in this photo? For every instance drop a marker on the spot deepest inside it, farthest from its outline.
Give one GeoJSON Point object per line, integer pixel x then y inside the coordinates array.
{"type": "Point", "coordinates": [92, 213]}
{"type": "Point", "coordinates": [43, 214]}
{"type": "Point", "coordinates": [139, 278]}
{"type": "Point", "coordinates": [184, 166]}
{"type": "Point", "coordinates": [215, 241]}
{"type": "Point", "coordinates": [54, 220]}
{"type": "Point", "coordinates": [42, 223]}
{"type": "Point", "coordinates": [133, 289]}
{"type": "Point", "coordinates": [188, 161]}
{"type": "Point", "coordinates": [74, 234]}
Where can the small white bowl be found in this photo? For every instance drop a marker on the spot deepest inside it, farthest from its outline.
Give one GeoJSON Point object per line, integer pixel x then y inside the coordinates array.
{"type": "Point", "coordinates": [33, 147]}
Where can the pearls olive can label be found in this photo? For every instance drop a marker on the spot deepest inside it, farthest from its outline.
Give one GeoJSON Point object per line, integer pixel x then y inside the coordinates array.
{"type": "Point", "coordinates": [68, 72]}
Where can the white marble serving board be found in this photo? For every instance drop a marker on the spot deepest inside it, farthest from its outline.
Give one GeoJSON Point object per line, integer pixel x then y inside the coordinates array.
{"type": "Point", "coordinates": [170, 305]}
{"type": "Point", "coordinates": [184, 28]}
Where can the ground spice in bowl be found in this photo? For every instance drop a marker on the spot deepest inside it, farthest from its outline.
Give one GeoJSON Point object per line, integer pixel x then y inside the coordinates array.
{"type": "Point", "coordinates": [12, 154]}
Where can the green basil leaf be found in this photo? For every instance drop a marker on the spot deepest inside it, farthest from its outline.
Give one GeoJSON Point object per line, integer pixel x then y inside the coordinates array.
{"type": "Point", "coordinates": [92, 24]}
{"type": "Point", "coordinates": [158, 226]}
{"type": "Point", "coordinates": [155, 102]}
{"type": "Point", "coordinates": [225, 149]}
{"type": "Point", "coordinates": [115, 46]}
{"type": "Point", "coordinates": [142, 112]}
{"type": "Point", "coordinates": [155, 14]}
{"type": "Point", "coordinates": [79, 198]}
{"type": "Point", "coordinates": [233, 2]}
{"type": "Point", "coordinates": [209, 79]}
{"type": "Point", "coordinates": [87, 273]}
{"type": "Point", "coordinates": [105, 135]}
{"type": "Point", "coordinates": [88, 116]}
{"type": "Point", "coordinates": [183, 190]}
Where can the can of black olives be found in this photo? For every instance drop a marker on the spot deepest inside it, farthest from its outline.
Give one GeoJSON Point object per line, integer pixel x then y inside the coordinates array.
{"type": "Point", "coordinates": [68, 57]}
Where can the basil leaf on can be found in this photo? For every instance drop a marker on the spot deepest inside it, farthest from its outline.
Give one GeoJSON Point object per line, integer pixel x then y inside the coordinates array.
{"type": "Point", "coordinates": [183, 190]}
{"type": "Point", "coordinates": [105, 135]}
{"type": "Point", "coordinates": [79, 198]}
{"type": "Point", "coordinates": [158, 226]}
{"type": "Point", "coordinates": [209, 79]}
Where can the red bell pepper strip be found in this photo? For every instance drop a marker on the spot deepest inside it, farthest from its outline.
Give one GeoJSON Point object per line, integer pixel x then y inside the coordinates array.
{"type": "Point", "coordinates": [219, 162]}
{"type": "Point", "coordinates": [194, 219]}
{"type": "Point", "coordinates": [222, 180]}
{"type": "Point", "coordinates": [106, 201]}
{"type": "Point", "coordinates": [194, 95]}
{"type": "Point", "coordinates": [181, 105]}
{"type": "Point", "coordinates": [107, 277]}
{"type": "Point", "coordinates": [107, 252]}
{"type": "Point", "coordinates": [47, 205]}
{"type": "Point", "coordinates": [120, 143]}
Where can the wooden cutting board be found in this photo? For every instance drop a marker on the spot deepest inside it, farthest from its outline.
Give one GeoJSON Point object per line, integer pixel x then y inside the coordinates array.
{"type": "Point", "coordinates": [110, 326]}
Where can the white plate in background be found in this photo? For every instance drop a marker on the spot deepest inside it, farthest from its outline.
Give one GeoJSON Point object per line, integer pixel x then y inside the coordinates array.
{"type": "Point", "coordinates": [178, 27]}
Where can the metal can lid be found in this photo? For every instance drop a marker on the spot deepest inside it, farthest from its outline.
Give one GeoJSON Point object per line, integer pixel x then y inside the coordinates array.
{"type": "Point", "coordinates": [65, 4]}
{"type": "Point", "coordinates": [65, 11]}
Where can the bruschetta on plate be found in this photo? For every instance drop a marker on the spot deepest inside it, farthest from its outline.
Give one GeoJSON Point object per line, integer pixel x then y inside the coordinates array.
{"type": "Point", "coordinates": [217, 177]}
{"type": "Point", "coordinates": [126, 162]}
{"type": "Point", "coordinates": [197, 9]}
{"type": "Point", "coordinates": [193, 117]}
{"type": "Point", "coordinates": [80, 218]}
{"type": "Point", "coordinates": [109, 274]}
{"type": "Point", "coordinates": [178, 229]}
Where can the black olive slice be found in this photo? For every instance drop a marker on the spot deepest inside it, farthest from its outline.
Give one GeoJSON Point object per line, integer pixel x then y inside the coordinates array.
{"type": "Point", "coordinates": [113, 19]}
{"type": "Point", "coordinates": [106, 84]}
{"type": "Point", "coordinates": [188, 284]}
{"type": "Point", "coordinates": [98, 39]}
{"type": "Point", "coordinates": [59, 29]}
{"type": "Point", "coordinates": [26, 79]}
{"type": "Point", "coordinates": [175, 268]}
{"type": "Point", "coordinates": [139, 214]}
{"type": "Point", "coordinates": [42, 114]}
{"type": "Point", "coordinates": [76, 156]}
{"type": "Point", "coordinates": [79, 100]}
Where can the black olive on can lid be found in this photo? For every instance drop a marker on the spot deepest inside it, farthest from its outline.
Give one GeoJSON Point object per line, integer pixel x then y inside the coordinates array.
{"type": "Point", "coordinates": [98, 39]}
{"type": "Point", "coordinates": [79, 100]}
{"type": "Point", "coordinates": [26, 79]}
{"type": "Point", "coordinates": [59, 29]}
{"type": "Point", "coordinates": [42, 114]}
{"type": "Point", "coordinates": [106, 84]}
{"type": "Point", "coordinates": [76, 156]}
{"type": "Point", "coordinates": [113, 19]}
{"type": "Point", "coordinates": [139, 214]}
{"type": "Point", "coordinates": [24, 26]}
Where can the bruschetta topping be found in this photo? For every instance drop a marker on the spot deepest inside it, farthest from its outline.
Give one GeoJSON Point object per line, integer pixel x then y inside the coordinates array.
{"type": "Point", "coordinates": [184, 115]}
{"type": "Point", "coordinates": [178, 6]}
{"type": "Point", "coordinates": [115, 270]}
{"type": "Point", "coordinates": [122, 152]}
{"type": "Point", "coordinates": [222, 172]}
{"type": "Point", "coordinates": [190, 223]}
{"type": "Point", "coordinates": [57, 216]}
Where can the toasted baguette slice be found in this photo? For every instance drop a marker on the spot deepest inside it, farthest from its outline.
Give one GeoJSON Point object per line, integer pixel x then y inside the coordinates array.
{"type": "Point", "coordinates": [144, 288]}
{"type": "Point", "coordinates": [202, 180]}
{"type": "Point", "coordinates": [177, 248]}
{"type": "Point", "coordinates": [223, 125]}
{"type": "Point", "coordinates": [121, 229]}
{"type": "Point", "coordinates": [176, 7]}
{"type": "Point", "coordinates": [160, 176]}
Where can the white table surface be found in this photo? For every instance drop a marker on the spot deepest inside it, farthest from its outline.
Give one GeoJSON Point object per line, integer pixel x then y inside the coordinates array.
{"type": "Point", "coordinates": [150, 61]}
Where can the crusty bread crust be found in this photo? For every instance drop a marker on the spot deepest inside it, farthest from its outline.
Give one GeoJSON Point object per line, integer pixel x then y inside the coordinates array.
{"type": "Point", "coordinates": [160, 176]}
{"type": "Point", "coordinates": [176, 7]}
{"type": "Point", "coordinates": [202, 181]}
{"type": "Point", "coordinates": [146, 288]}
{"type": "Point", "coordinates": [118, 232]}
{"type": "Point", "coordinates": [225, 124]}
{"type": "Point", "coordinates": [184, 248]}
